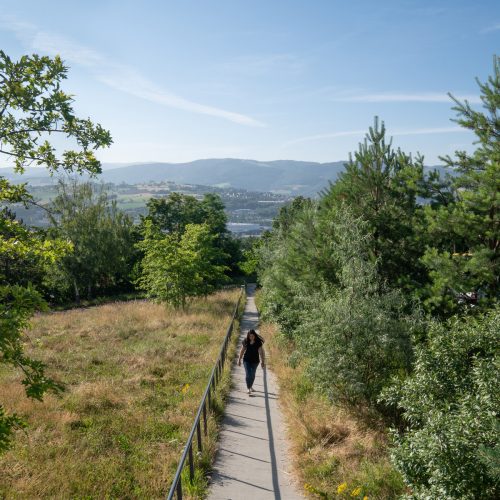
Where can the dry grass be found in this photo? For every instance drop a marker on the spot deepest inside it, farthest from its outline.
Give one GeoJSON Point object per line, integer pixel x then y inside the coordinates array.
{"type": "Point", "coordinates": [329, 445]}
{"type": "Point", "coordinates": [134, 375]}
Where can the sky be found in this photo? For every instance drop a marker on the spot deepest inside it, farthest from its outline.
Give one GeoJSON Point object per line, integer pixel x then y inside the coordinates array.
{"type": "Point", "coordinates": [176, 81]}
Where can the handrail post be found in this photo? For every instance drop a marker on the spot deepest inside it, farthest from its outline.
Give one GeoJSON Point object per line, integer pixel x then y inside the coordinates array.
{"type": "Point", "coordinates": [198, 435]}
{"type": "Point", "coordinates": [191, 463]}
{"type": "Point", "coordinates": [205, 429]}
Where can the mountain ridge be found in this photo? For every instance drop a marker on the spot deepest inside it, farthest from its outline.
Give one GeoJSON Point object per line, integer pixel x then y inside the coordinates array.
{"type": "Point", "coordinates": [285, 176]}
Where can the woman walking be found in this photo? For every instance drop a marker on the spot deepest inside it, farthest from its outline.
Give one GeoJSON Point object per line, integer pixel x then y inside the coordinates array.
{"type": "Point", "coordinates": [252, 352]}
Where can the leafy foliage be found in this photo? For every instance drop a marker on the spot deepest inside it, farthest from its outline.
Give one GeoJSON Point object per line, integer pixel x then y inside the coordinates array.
{"type": "Point", "coordinates": [21, 268]}
{"type": "Point", "coordinates": [33, 106]}
{"type": "Point", "coordinates": [324, 292]}
{"type": "Point", "coordinates": [450, 404]}
{"type": "Point", "coordinates": [250, 257]}
{"type": "Point", "coordinates": [173, 213]}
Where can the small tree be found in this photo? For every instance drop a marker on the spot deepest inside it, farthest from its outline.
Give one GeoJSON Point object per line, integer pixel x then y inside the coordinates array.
{"type": "Point", "coordinates": [173, 269]}
{"type": "Point", "coordinates": [14, 268]}
{"type": "Point", "coordinates": [32, 109]}
{"type": "Point", "coordinates": [173, 213]}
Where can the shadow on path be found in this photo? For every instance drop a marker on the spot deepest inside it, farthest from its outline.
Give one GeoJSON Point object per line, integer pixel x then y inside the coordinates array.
{"type": "Point", "coordinates": [272, 451]}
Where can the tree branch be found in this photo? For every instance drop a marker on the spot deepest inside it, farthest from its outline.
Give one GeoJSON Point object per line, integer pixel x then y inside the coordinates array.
{"type": "Point", "coordinates": [31, 159]}
{"type": "Point", "coordinates": [49, 131]}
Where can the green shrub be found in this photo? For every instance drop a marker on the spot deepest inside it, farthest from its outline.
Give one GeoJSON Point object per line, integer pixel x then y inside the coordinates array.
{"type": "Point", "coordinates": [451, 402]}
{"type": "Point", "coordinates": [357, 338]}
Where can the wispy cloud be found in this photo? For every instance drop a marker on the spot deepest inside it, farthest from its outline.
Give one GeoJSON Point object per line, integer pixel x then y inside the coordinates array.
{"type": "Point", "coordinates": [120, 77]}
{"type": "Point", "coordinates": [489, 29]}
{"type": "Point", "coordinates": [405, 97]}
{"type": "Point", "coordinates": [262, 64]}
{"type": "Point", "coordinates": [361, 134]}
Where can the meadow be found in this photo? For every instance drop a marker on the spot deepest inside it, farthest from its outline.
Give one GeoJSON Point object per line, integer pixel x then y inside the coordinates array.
{"type": "Point", "coordinates": [134, 373]}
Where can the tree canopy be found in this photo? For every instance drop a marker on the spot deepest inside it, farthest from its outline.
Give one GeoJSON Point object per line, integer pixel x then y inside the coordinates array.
{"type": "Point", "coordinates": [100, 235]}
{"type": "Point", "coordinates": [177, 267]}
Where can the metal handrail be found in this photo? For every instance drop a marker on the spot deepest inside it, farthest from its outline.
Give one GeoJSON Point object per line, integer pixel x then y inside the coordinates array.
{"type": "Point", "coordinates": [202, 410]}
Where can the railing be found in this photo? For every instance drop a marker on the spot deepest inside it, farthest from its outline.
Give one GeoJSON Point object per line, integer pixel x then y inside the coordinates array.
{"type": "Point", "coordinates": [204, 408]}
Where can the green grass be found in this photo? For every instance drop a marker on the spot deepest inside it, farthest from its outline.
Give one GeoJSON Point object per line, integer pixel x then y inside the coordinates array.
{"type": "Point", "coordinates": [134, 374]}
{"type": "Point", "coordinates": [132, 201]}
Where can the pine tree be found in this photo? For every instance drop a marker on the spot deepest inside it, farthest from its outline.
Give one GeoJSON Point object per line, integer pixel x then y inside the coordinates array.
{"type": "Point", "coordinates": [464, 264]}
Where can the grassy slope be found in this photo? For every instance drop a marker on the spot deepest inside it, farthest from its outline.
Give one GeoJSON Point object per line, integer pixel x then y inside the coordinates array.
{"type": "Point", "coordinates": [134, 375]}
{"type": "Point", "coordinates": [334, 454]}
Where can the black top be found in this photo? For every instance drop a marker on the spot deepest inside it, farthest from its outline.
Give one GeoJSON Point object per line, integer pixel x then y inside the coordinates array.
{"type": "Point", "coordinates": [252, 351]}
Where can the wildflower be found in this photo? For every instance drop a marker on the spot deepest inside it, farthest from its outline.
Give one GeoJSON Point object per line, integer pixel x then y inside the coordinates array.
{"type": "Point", "coordinates": [341, 488]}
{"type": "Point", "coordinates": [356, 491]}
{"type": "Point", "coordinates": [185, 388]}
{"type": "Point", "coordinates": [365, 498]}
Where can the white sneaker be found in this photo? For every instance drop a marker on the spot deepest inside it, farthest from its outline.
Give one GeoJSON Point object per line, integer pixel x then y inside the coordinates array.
{"type": "Point", "coordinates": [249, 391]}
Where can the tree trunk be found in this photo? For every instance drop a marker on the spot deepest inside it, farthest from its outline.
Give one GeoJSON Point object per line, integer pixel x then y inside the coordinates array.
{"type": "Point", "coordinates": [77, 292]}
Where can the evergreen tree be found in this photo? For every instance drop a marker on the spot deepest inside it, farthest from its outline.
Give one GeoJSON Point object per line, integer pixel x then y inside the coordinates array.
{"type": "Point", "coordinates": [381, 185]}
{"type": "Point", "coordinates": [464, 257]}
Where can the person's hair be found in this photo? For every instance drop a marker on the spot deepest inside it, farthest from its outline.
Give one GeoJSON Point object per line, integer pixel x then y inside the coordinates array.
{"type": "Point", "coordinates": [258, 338]}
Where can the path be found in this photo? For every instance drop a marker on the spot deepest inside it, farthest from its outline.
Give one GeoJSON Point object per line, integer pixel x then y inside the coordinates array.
{"type": "Point", "coordinates": [251, 461]}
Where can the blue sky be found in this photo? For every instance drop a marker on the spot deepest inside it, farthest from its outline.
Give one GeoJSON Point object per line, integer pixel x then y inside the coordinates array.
{"type": "Point", "coordinates": [182, 80]}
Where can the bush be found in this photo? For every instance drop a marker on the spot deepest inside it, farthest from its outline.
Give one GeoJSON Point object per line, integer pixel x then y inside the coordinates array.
{"type": "Point", "coordinates": [450, 448]}
{"type": "Point", "coordinates": [356, 339]}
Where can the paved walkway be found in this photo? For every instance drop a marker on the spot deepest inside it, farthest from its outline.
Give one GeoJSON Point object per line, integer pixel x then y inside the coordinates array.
{"type": "Point", "coordinates": [251, 463]}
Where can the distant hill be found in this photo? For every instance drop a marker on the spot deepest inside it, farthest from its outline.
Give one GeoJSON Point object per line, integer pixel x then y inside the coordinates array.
{"type": "Point", "coordinates": [281, 176]}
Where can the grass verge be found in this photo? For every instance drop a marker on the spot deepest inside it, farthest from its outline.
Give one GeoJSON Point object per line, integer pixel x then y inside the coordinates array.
{"type": "Point", "coordinates": [134, 374]}
{"type": "Point", "coordinates": [334, 453]}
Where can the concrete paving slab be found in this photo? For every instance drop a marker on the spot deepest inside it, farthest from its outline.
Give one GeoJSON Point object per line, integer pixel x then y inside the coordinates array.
{"type": "Point", "coordinates": [252, 459]}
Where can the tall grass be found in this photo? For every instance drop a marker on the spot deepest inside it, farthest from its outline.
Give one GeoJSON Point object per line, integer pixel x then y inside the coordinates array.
{"type": "Point", "coordinates": [134, 375]}
{"type": "Point", "coordinates": [334, 453]}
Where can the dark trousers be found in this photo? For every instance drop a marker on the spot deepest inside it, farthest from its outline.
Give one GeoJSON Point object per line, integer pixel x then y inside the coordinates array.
{"type": "Point", "coordinates": [250, 369]}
